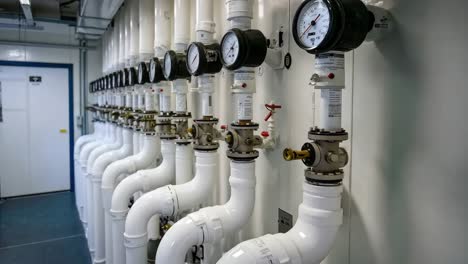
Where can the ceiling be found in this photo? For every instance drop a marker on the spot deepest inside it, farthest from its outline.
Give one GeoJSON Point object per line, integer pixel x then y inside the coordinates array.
{"type": "Point", "coordinates": [47, 9]}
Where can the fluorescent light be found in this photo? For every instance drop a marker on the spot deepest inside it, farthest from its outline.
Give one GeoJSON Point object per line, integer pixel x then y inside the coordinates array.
{"type": "Point", "coordinates": [25, 2]}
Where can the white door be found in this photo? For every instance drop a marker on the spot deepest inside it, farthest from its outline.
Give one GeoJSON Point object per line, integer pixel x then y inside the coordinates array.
{"type": "Point", "coordinates": [34, 136]}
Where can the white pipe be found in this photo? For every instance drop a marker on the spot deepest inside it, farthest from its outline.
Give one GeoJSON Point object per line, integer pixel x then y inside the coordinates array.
{"type": "Point", "coordinates": [114, 142]}
{"type": "Point", "coordinates": [134, 31]}
{"type": "Point", "coordinates": [121, 41]}
{"type": "Point", "coordinates": [210, 225]}
{"type": "Point", "coordinates": [330, 109]}
{"type": "Point", "coordinates": [127, 36]}
{"type": "Point", "coordinates": [127, 166]}
{"type": "Point", "coordinates": [136, 141]}
{"type": "Point", "coordinates": [184, 161]}
{"type": "Point", "coordinates": [144, 180]}
{"type": "Point", "coordinates": [308, 242]}
{"type": "Point", "coordinates": [146, 21]}
{"type": "Point", "coordinates": [181, 24]}
{"type": "Point", "coordinates": [162, 27]}
{"type": "Point", "coordinates": [101, 252]}
{"type": "Point", "coordinates": [168, 201]}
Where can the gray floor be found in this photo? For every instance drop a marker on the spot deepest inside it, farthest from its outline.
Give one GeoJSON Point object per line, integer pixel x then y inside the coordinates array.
{"type": "Point", "coordinates": [43, 229]}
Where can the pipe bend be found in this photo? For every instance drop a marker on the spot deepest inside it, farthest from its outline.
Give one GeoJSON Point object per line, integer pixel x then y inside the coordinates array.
{"type": "Point", "coordinates": [98, 152]}
{"type": "Point", "coordinates": [308, 242]}
{"type": "Point", "coordinates": [124, 190]}
{"type": "Point", "coordinates": [103, 161]}
{"type": "Point", "coordinates": [189, 195]}
{"type": "Point", "coordinates": [152, 203]}
{"type": "Point", "coordinates": [83, 140]}
{"type": "Point", "coordinates": [86, 151]}
{"type": "Point", "coordinates": [178, 240]}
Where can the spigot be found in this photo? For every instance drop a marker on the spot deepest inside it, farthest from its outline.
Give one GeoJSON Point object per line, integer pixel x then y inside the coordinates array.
{"type": "Point", "coordinates": [290, 154]}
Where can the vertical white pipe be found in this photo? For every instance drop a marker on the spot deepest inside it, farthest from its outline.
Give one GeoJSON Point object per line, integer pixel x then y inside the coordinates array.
{"type": "Point", "coordinates": [127, 35]}
{"type": "Point", "coordinates": [162, 27]}
{"type": "Point", "coordinates": [146, 20]}
{"type": "Point", "coordinates": [181, 24]}
{"type": "Point", "coordinates": [121, 40]}
{"type": "Point", "coordinates": [330, 109]}
{"type": "Point", "coordinates": [134, 32]}
{"type": "Point", "coordinates": [184, 163]}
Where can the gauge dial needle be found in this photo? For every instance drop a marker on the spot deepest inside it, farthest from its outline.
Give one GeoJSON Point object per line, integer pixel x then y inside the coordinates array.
{"type": "Point", "coordinates": [311, 24]}
{"type": "Point", "coordinates": [194, 59]}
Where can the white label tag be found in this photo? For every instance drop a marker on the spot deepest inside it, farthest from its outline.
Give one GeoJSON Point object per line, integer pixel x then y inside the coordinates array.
{"type": "Point", "coordinates": [245, 107]}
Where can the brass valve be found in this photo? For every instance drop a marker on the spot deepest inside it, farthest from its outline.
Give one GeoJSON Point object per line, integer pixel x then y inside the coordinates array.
{"type": "Point", "coordinates": [290, 154]}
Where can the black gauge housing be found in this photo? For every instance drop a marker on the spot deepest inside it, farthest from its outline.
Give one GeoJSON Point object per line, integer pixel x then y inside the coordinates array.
{"type": "Point", "coordinates": [252, 48]}
{"type": "Point", "coordinates": [120, 79]}
{"type": "Point", "coordinates": [350, 21]}
{"type": "Point", "coordinates": [132, 76]}
{"type": "Point", "coordinates": [125, 77]}
{"type": "Point", "coordinates": [114, 80]}
{"type": "Point", "coordinates": [156, 74]}
{"type": "Point", "coordinates": [210, 59]}
{"type": "Point", "coordinates": [143, 72]}
{"type": "Point", "coordinates": [178, 66]}
{"type": "Point", "coordinates": [107, 82]}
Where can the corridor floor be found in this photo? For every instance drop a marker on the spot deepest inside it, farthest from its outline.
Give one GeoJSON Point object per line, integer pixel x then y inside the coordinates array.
{"type": "Point", "coordinates": [42, 229]}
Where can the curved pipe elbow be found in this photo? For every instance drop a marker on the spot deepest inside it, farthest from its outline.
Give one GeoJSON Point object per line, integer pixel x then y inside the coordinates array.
{"type": "Point", "coordinates": [197, 191]}
{"type": "Point", "coordinates": [103, 161]}
{"type": "Point", "coordinates": [155, 202]}
{"type": "Point", "coordinates": [178, 240]}
{"type": "Point", "coordinates": [308, 242]}
{"type": "Point", "coordinates": [83, 140]}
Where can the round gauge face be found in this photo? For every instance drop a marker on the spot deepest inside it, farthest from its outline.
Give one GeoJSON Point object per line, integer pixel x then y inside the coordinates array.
{"type": "Point", "coordinates": [313, 24]}
{"type": "Point", "coordinates": [230, 48]}
{"type": "Point", "coordinates": [193, 58]}
{"type": "Point", "coordinates": [167, 65]}
{"type": "Point", "coordinates": [152, 70]}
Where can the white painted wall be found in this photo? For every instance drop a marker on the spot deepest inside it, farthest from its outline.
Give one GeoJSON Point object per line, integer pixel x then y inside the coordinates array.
{"type": "Point", "coordinates": [405, 198]}
{"type": "Point", "coordinates": [56, 34]}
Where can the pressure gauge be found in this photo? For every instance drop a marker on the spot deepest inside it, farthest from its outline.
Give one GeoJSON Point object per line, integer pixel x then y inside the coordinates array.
{"type": "Point", "coordinates": [120, 79]}
{"type": "Point", "coordinates": [243, 48]}
{"type": "Point", "coordinates": [175, 66]}
{"type": "Point", "coordinates": [114, 80]}
{"type": "Point", "coordinates": [107, 82]}
{"type": "Point", "coordinates": [203, 59]}
{"type": "Point", "coordinates": [132, 76]}
{"type": "Point", "coordinates": [323, 25]}
{"type": "Point", "coordinates": [155, 72]}
{"type": "Point", "coordinates": [143, 74]}
{"type": "Point", "coordinates": [125, 77]}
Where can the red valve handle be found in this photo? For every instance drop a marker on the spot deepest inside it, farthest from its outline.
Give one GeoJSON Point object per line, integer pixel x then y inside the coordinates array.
{"type": "Point", "coordinates": [271, 108]}
{"type": "Point", "coordinates": [224, 127]}
{"type": "Point", "coordinates": [265, 134]}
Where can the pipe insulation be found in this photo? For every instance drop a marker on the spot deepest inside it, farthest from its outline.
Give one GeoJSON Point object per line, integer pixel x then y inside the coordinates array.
{"type": "Point", "coordinates": [211, 224]}
{"type": "Point", "coordinates": [170, 200]}
{"type": "Point", "coordinates": [181, 41]}
{"type": "Point", "coordinates": [121, 41]}
{"type": "Point", "coordinates": [143, 180]}
{"type": "Point", "coordinates": [103, 253]}
{"type": "Point", "coordinates": [308, 242]}
{"type": "Point", "coordinates": [122, 168]}
{"type": "Point", "coordinates": [127, 35]}
{"type": "Point", "coordinates": [134, 32]}
{"type": "Point", "coordinates": [146, 21]}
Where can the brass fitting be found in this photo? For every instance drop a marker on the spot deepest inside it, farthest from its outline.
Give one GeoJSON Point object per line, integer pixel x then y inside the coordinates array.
{"type": "Point", "coordinates": [290, 154]}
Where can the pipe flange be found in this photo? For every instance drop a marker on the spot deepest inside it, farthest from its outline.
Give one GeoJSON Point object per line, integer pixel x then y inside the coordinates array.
{"type": "Point", "coordinates": [210, 147]}
{"type": "Point", "coordinates": [210, 121]}
{"type": "Point", "coordinates": [246, 126]}
{"type": "Point", "coordinates": [242, 156]}
{"type": "Point", "coordinates": [317, 134]}
{"type": "Point", "coordinates": [323, 177]}
{"type": "Point", "coordinates": [186, 115]}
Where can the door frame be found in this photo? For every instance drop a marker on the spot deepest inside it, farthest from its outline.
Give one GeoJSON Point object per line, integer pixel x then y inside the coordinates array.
{"type": "Point", "coordinates": [71, 126]}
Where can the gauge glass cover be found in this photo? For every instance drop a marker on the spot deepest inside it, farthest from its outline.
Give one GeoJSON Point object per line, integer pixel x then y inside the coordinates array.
{"type": "Point", "coordinates": [230, 48]}
{"type": "Point", "coordinates": [193, 57]}
{"type": "Point", "coordinates": [167, 65]}
{"type": "Point", "coordinates": [313, 24]}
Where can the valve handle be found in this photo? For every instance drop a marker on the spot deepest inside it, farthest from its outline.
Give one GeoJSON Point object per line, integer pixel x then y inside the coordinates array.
{"type": "Point", "coordinates": [265, 134]}
{"type": "Point", "coordinates": [271, 108]}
